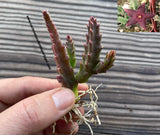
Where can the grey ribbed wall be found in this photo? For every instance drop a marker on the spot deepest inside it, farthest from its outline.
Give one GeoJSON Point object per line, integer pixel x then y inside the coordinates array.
{"type": "Point", "coordinates": [129, 100]}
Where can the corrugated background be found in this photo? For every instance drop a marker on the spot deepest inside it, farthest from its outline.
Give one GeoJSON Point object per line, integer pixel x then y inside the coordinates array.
{"type": "Point", "coordinates": [129, 100]}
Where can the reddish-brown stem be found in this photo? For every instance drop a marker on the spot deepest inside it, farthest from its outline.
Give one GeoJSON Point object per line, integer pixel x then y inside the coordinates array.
{"type": "Point", "coordinates": [152, 10]}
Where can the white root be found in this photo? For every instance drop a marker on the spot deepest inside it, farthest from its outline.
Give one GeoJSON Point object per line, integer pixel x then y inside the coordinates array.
{"type": "Point", "coordinates": [91, 116]}
{"type": "Point", "coordinates": [54, 127]}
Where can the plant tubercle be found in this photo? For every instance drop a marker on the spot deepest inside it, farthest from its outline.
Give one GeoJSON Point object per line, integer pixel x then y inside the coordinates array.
{"type": "Point", "coordinates": [65, 59]}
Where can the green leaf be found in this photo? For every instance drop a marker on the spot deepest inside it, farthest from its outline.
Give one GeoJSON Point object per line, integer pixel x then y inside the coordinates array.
{"type": "Point", "coordinates": [120, 10]}
{"type": "Point", "coordinates": [122, 20]}
{"type": "Point", "coordinates": [157, 18]}
{"type": "Point", "coordinates": [134, 4]}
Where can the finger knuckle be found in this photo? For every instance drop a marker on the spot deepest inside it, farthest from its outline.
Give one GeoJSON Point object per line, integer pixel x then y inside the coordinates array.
{"type": "Point", "coordinates": [26, 82]}
{"type": "Point", "coordinates": [29, 112]}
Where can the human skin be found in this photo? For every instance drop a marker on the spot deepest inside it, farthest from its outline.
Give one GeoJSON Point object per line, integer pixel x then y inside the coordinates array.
{"type": "Point", "coordinates": [30, 106]}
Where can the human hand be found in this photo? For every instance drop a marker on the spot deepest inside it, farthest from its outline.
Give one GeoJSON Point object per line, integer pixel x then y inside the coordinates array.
{"type": "Point", "coordinates": [30, 105]}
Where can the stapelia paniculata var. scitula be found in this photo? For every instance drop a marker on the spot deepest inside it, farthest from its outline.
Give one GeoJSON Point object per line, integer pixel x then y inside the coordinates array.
{"type": "Point", "coordinates": [64, 55]}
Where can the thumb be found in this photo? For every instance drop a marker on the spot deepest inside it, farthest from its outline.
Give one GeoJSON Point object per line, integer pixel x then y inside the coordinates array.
{"type": "Point", "coordinates": [36, 113]}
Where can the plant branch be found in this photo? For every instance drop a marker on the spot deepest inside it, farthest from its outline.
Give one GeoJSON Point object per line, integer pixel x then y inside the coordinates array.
{"type": "Point", "coordinates": [64, 68]}
{"type": "Point", "coordinates": [91, 64]}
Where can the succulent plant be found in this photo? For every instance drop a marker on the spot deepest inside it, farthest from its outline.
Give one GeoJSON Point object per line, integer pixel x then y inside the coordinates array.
{"type": "Point", "coordinates": [64, 55]}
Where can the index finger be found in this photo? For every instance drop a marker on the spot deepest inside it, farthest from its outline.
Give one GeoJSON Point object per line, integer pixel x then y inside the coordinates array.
{"type": "Point", "coordinates": [15, 89]}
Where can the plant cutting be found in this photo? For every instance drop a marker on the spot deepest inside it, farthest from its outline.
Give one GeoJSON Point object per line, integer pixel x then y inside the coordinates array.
{"type": "Point", "coordinates": [65, 60]}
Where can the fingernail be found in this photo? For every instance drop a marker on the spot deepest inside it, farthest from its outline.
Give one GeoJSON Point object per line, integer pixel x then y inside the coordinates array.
{"type": "Point", "coordinates": [63, 99]}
